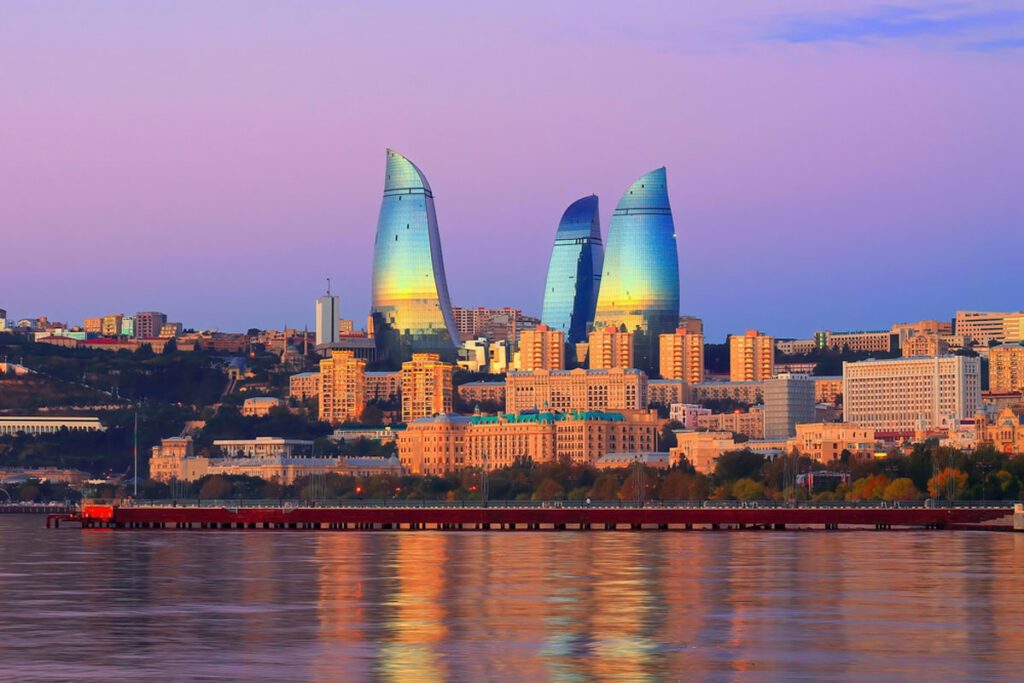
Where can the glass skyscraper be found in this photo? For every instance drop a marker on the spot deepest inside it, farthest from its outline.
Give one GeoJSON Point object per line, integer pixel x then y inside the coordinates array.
{"type": "Point", "coordinates": [640, 285]}
{"type": "Point", "coordinates": [574, 273]}
{"type": "Point", "coordinates": [411, 309]}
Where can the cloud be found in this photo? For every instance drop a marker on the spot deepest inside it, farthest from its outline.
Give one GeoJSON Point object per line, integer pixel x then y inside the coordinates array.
{"type": "Point", "coordinates": [995, 45]}
{"type": "Point", "coordinates": [980, 28]}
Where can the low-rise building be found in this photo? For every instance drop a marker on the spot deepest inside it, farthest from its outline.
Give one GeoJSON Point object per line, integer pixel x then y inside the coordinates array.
{"type": "Point", "coordinates": [702, 449]}
{"type": "Point", "coordinates": [666, 392]}
{"type": "Point", "coordinates": [578, 389]}
{"type": "Point", "coordinates": [446, 443]}
{"type": "Point", "coordinates": [687, 414]}
{"type": "Point", "coordinates": [923, 345]}
{"type": "Point", "coordinates": [260, 406]}
{"type": "Point", "coordinates": [304, 386]}
{"type": "Point", "coordinates": [261, 446]}
{"type": "Point", "coordinates": [654, 460]}
{"type": "Point", "coordinates": [1004, 432]}
{"type": "Point", "coordinates": [872, 341]}
{"type": "Point", "coordinates": [474, 393]}
{"type": "Point", "coordinates": [34, 425]}
{"type": "Point", "coordinates": [749, 423]}
{"type": "Point", "coordinates": [826, 441]}
{"type": "Point", "coordinates": [750, 393]}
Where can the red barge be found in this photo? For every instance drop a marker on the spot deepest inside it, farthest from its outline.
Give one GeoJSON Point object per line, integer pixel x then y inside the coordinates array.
{"type": "Point", "coordinates": [510, 516]}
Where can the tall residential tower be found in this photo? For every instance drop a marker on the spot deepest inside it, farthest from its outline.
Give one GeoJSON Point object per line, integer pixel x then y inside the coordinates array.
{"type": "Point", "coordinates": [640, 284]}
{"type": "Point", "coordinates": [411, 309]}
{"type": "Point", "coordinates": [574, 272]}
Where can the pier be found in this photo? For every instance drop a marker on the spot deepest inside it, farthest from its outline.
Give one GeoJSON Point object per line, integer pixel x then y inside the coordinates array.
{"type": "Point", "coordinates": [513, 516]}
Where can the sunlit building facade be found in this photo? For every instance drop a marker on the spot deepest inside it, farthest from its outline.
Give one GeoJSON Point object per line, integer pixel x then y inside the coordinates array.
{"type": "Point", "coordinates": [411, 309]}
{"type": "Point", "coordinates": [751, 357]}
{"type": "Point", "coordinates": [640, 282]}
{"type": "Point", "coordinates": [609, 347]}
{"type": "Point", "coordinates": [342, 387]}
{"type": "Point", "coordinates": [426, 387]}
{"type": "Point", "coordinates": [682, 355]}
{"type": "Point", "coordinates": [574, 272]}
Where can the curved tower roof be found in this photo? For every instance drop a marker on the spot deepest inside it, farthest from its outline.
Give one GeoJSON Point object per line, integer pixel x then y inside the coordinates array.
{"type": "Point", "coordinates": [640, 284]}
{"type": "Point", "coordinates": [574, 273]}
{"type": "Point", "coordinates": [411, 308]}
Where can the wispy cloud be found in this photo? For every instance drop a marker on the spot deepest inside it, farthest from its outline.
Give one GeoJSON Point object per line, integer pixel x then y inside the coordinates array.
{"type": "Point", "coordinates": [963, 25]}
{"type": "Point", "coordinates": [996, 45]}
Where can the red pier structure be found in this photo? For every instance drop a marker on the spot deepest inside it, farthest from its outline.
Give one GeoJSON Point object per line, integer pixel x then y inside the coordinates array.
{"type": "Point", "coordinates": [513, 517]}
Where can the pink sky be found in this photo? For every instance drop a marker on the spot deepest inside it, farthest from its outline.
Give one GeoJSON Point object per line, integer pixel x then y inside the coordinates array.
{"type": "Point", "coordinates": [841, 169]}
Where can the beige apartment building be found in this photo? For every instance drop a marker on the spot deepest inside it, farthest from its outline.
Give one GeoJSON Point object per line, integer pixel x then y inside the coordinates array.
{"type": "Point", "coordinates": [988, 326]}
{"type": "Point", "coordinates": [871, 341]}
{"type": "Point", "coordinates": [260, 406]}
{"type": "Point", "coordinates": [609, 347]}
{"type": "Point", "coordinates": [1013, 328]}
{"type": "Point", "coordinates": [383, 386]}
{"type": "Point", "coordinates": [93, 325]}
{"type": "Point", "coordinates": [579, 389]}
{"type": "Point", "coordinates": [749, 424]}
{"type": "Point", "coordinates": [480, 392]}
{"type": "Point", "coordinates": [924, 346]}
{"type": "Point", "coordinates": [269, 459]}
{"type": "Point", "coordinates": [665, 392]}
{"type": "Point", "coordinates": [542, 348]}
{"type": "Point", "coordinates": [111, 325]}
{"type": "Point", "coordinates": [751, 357]}
{"type": "Point", "coordinates": [827, 388]}
{"type": "Point", "coordinates": [426, 387]}
{"type": "Point", "coordinates": [304, 385]}
{"type": "Point", "coordinates": [702, 449]}
{"type": "Point", "coordinates": [342, 387]}
{"type": "Point", "coordinates": [905, 395]}
{"type": "Point", "coordinates": [447, 443]}
{"type": "Point", "coordinates": [936, 328]}
{"type": "Point", "coordinates": [750, 393]}
{"type": "Point", "coordinates": [682, 355]}
{"type": "Point", "coordinates": [826, 441]}
{"type": "Point", "coordinates": [1006, 368]}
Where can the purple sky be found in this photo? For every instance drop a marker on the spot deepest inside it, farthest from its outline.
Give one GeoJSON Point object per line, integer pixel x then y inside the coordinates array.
{"type": "Point", "coordinates": [842, 168]}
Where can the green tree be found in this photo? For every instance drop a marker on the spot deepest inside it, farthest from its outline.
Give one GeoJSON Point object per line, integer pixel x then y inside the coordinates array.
{"type": "Point", "coordinates": [736, 465]}
{"type": "Point", "coordinates": [216, 487]}
{"type": "Point", "coordinates": [549, 489]}
{"type": "Point", "coordinates": [747, 489]}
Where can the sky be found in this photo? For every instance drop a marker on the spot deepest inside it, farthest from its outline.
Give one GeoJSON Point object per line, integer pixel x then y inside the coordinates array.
{"type": "Point", "coordinates": [841, 165]}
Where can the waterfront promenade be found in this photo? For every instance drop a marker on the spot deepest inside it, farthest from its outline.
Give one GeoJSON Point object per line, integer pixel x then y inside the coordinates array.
{"type": "Point", "coordinates": [518, 516]}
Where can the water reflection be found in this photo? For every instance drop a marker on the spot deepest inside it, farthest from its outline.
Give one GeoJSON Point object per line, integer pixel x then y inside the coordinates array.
{"type": "Point", "coordinates": [417, 606]}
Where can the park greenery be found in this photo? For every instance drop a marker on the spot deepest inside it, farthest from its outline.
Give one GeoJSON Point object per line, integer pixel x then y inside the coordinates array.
{"type": "Point", "coordinates": [928, 471]}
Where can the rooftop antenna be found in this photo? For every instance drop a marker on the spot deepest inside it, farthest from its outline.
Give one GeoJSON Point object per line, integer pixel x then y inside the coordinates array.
{"type": "Point", "coordinates": [328, 286]}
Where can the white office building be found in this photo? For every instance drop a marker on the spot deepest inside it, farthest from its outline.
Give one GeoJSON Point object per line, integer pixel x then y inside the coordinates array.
{"type": "Point", "coordinates": [906, 395]}
{"type": "Point", "coordinates": [327, 308]}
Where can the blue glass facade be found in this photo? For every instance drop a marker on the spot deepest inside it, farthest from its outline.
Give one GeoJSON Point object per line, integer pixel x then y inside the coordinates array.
{"type": "Point", "coordinates": [640, 284]}
{"type": "Point", "coordinates": [411, 309]}
{"type": "Point", "coordinates": [574, 273]}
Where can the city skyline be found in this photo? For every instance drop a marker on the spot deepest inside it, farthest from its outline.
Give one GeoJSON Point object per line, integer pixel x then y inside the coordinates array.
{"type": "Point", "coordinates": [180, 184]}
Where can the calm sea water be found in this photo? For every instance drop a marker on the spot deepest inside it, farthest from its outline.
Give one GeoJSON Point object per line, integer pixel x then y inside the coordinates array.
{"type": "Point", "coordinates": [569, 606]}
